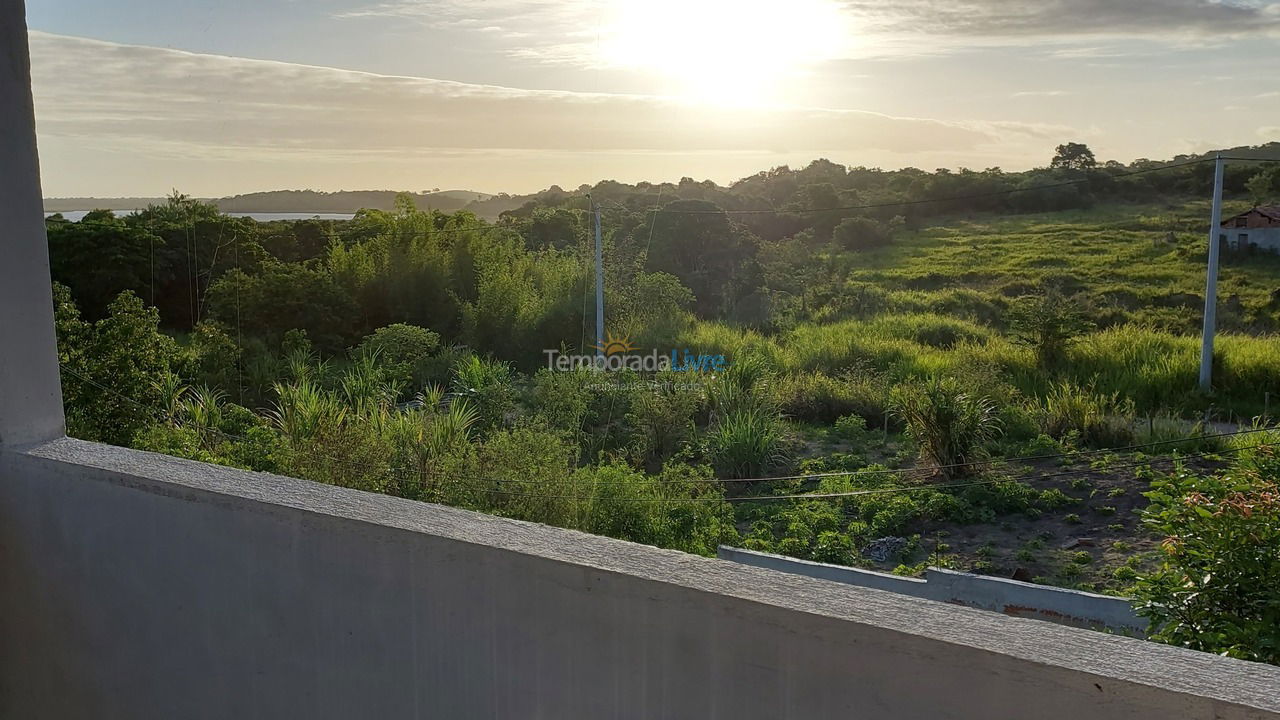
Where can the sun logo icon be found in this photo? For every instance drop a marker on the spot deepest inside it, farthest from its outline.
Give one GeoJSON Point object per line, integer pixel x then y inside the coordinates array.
{"type": "Point", "coordinates": [615, 345]}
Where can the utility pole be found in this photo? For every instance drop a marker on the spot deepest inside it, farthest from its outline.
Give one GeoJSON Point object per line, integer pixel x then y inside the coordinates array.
{"type": "Point", "coordinates": [1211, 283]}
{"type": "Point", "coordinates": [595, 210]}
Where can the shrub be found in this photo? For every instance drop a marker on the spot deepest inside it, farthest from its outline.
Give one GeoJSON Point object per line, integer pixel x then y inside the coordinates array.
{"type": "Point", "coordinates": [404, 349]}
{"type": "Point", "coordinates": [661, 421]}
{"type": "Point", "coordinates": [853, 429]}
{"type": "Point", "coordinates": [832, 547]}
{"type": "Point", "coordinates": [1218, 586]}
{"type": "Point", "coordinates": [859, 233]}
{"type": "Point", "coordinates": [1048, 324]}
{"type": "Point", "coordinates": [951, 426]}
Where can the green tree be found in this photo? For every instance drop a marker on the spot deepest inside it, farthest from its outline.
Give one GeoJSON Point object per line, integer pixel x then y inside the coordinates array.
{"type": "Point", "coordinates": [1048, 324]}
{"type": "Point", "coordinates": [1073, 156]}
{"type": "Point", "coordinates": [695, 241]}
{"type": "Point", "coordinates": [1265, 186]}
{"type": "Point", "coordinates": [404, 350]}
{"type": "Point", "coordinates": [111, 369]}
{"type": "Point", "coordinates": [100, 257]}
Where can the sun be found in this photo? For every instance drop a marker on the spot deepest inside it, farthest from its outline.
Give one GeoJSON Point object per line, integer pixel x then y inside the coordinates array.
{"type": "Point", "coordinates": [615, 345]}
{"type": "Point", "coordinates": [725, 52]}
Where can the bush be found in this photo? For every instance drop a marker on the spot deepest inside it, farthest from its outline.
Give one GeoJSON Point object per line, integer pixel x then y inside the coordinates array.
{"type": "Point", "coordinates": [833, 547]}
{"type": "Point", "coordinates": [1218, 587]}
{"type": "Point", "coordinates": [405, 350]}
{"type": "Point", "coordinates": [661, 421]}
{"type": "Point", "coordinates": [858, 233]}
{"type": "Point", "coordinates": [951, 426]}
{"type": "Point", "coordinates": [487, 384]}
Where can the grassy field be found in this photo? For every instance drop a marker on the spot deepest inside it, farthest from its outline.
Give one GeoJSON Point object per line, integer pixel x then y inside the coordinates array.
{"type": "Point", "coordinates": [935, 304]}
{"type": "Point", "coordinates": [936, 301]}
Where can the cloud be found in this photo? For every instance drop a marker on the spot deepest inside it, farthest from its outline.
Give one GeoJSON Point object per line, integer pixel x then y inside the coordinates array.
{"type": "Point", "coordinates": [1271, 132]}
{"type": "Point", "coordinates": [1042, 93]}
{"type": "Point", "coordinates": [164, 108]}
{"type": "Point", "coordinates": [1069, 18]}
{"type": "Point", "coordinates": [567, 31]}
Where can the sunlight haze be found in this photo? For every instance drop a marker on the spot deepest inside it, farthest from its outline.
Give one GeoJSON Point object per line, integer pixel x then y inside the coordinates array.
{"type": "Point", "coordinates": [141, 96]}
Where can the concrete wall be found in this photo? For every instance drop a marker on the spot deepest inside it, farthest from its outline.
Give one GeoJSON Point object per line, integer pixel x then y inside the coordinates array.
{"type": "Point", "coordinates": [138, 586]}
{"type": "Point", "coordinates": [30, 398]}
{"type": "Point", "coordinates": [1011, 597]}
{"type": "Point", "coordinates": [1267, 239]}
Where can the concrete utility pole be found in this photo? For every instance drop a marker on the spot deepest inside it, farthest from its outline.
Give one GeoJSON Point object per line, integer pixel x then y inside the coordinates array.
{"type": "Point", "coordinates": [595, 210]}
{"type": "Point", "coordinates": [1211, 283]}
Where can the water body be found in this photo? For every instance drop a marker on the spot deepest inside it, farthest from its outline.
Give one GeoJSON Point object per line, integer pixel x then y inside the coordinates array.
{"type": "Point", "coordinates": [77, 215]}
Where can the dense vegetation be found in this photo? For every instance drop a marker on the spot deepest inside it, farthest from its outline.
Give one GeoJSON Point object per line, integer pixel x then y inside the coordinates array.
{"type": "Point", "coordinates": [896, 342]}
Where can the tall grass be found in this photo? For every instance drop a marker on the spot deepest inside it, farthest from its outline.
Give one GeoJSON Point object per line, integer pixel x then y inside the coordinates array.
{"type": "Point", "coordinates": [1157, 370]}
{"type": "Point", "coordinates": [1097, 420]}
{"type": "Point", "coordinates": [747, 443]}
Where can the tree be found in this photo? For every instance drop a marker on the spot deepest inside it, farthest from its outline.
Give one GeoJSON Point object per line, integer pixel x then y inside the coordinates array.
{"type": "Point", "coordinates": [1218, 587]}
{"type": "Point", "coordinates": [1073, 156]}
{"type": "Point", "coordinates": [1265, 186]}
{"type": "Point", "coordinates": [100, 257]}
{"type": "Point", "coordinates": [695, 241]}
{"type": "Point", "coordinates": [112, 368]}
{"type": "Point", "coordinates": [282, 297]}
{"type": "Point", "coordinates": [1048, 324]}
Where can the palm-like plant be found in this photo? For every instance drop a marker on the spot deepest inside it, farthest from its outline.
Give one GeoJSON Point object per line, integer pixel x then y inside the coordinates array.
{"type": "Point", "coordinates": [203, 408]}
{"type": "Point", "coordinates": [951, 426]}
{"type": "Point", "coordinates": [172, 391]}
{"type": "Point", "coordinates": [302, 409]}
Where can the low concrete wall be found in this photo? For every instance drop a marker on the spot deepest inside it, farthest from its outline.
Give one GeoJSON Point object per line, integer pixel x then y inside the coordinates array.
{"type": "Point", "coordinates": [138, 586]}
{"type": "Point", "coordinates": [1011, 597]}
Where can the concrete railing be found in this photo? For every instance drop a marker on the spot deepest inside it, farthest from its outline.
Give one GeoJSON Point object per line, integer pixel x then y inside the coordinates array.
{"type": "Point", "coordinates": [1011, 597]}
{"type": "Point", "coordinates": [139, 586]}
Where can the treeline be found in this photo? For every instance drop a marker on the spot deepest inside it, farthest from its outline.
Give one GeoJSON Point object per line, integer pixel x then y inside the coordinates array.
{"type": "Point", "coordinates": [346, 201]}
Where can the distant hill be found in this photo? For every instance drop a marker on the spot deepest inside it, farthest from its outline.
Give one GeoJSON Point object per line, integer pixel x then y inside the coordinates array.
{"type": "Point", "coordinates": [92, 203]}
{"type": "Point", "coordinates": [312, 201]}
{"type": "Point", "coordinates": [344, 201]}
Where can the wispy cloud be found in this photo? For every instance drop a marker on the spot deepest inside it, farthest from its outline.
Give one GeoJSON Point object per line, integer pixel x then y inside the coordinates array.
{"type": "Point", "coordinates": [1041, 93]}
{"type": "Point", "coordinates": [182, 108]}
{"type": "Point", "coordinates": [1070, 18]}
{"type": "Point", "coordinates": [566, 31]}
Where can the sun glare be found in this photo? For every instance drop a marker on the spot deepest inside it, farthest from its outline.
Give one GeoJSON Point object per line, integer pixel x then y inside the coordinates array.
{"type": "Point", "coordinates": [726, 52]}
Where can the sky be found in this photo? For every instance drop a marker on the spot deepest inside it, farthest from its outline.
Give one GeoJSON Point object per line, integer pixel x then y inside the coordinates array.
{"type": "Point", "coordinates": [139, 97]}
